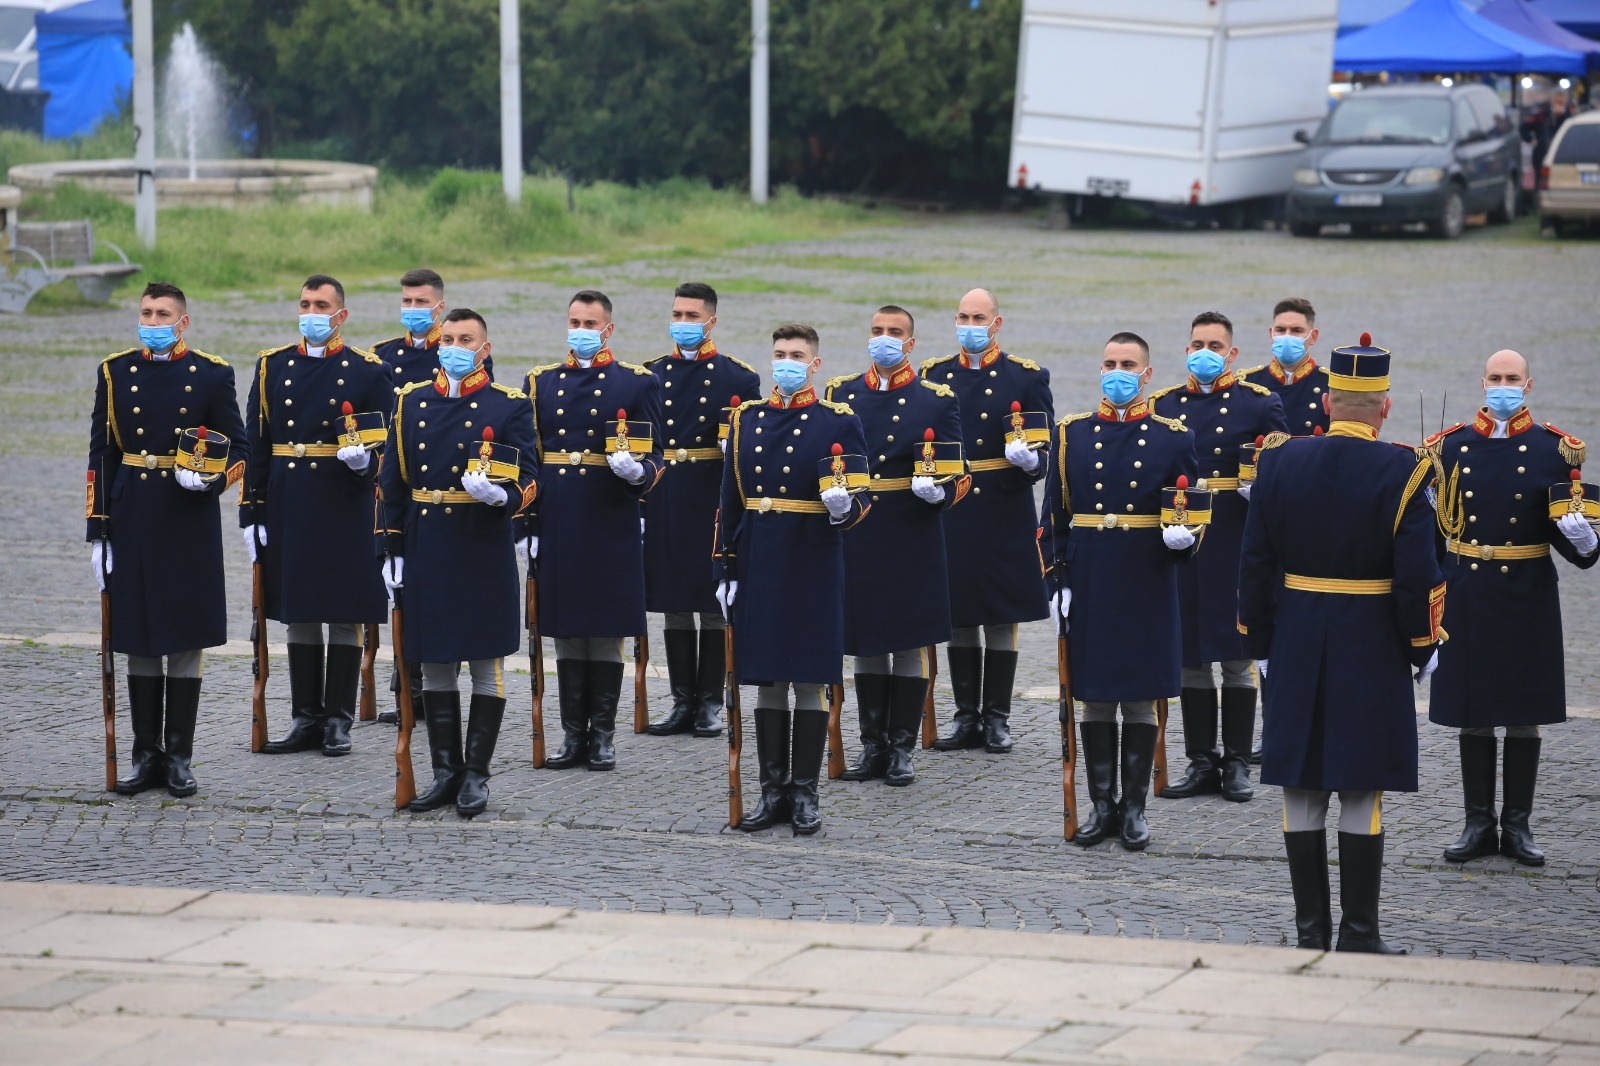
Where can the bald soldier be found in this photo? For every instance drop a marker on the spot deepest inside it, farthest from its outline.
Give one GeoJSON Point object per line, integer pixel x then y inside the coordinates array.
{"type": "Point", "coordinates": [1503, 664]}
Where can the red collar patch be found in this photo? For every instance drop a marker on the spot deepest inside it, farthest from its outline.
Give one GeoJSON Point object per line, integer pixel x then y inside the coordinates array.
{"type": "Point", "coordinates": [334, 346]}
{"type": "Point", "coordinates": [179, 350]}
{"type": "Point", "coordinates": [1136, 410]}
{"type": "Point", "coordinates": [804, 398]}
{"type": "Point", "coordinates": [1283, 377]}
{"type": "Point", "coordinates": [707, 350]}
{"type": "Point", "coordinates": [900, 377]}
{"type": "Point", "coordinates": [1520, 422]}
{"type": "Point", "coordinates": [601, 358]}
{"type": "Point", "coordinates": [1224, 380]}
{"type": "Point", "coordinates": [990, 354]}
{"type": "Point", "coordinates": [469, 384]}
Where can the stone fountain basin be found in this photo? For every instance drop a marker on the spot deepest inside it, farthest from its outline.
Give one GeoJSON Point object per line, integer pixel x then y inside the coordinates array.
{"type": "Point", "coordinates": [219, 182]}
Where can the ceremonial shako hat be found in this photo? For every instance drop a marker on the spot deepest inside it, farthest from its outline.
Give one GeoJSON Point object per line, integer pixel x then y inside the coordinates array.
{"type": "Point", "coordinates": [1574, 497]}
{"type": "Point", "coordinates": [625, 436]}
{"type": "Point", "coordinates": [727, 418]}
{"type": "Point", "coordinates": [841, 471]}
{"type": "Point", "coordinates": [202, 450]}
{"type": "Point", "coordinates": [1248, 453]}
{"type": "Point", "coordinates": [1360, 367]}
{"type": "Point", "coordinates": [940, 460]}
{"type": "Point", "coordinates": [1185, 506]}
{"type": "Point", "coordinates": [1030, 427]}
{"type": "Point", "coordinates": [364, 430]}
{"type": "Point", "coordinates": [499, 462]}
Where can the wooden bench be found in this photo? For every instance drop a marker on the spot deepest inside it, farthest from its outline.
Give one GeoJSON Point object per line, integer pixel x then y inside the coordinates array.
{"type": "Point", "coordinates": [43, 253]}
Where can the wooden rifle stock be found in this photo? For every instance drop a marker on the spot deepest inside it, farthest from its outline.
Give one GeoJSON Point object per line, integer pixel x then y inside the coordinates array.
{"type": "Point", "coordinates": [835, 737]}
{"type": "Point", "coordinates": [1159, 785]}
{"type": "Point", "coordinates": [930, 726]}
{"type": "Point", "coordinates": [108, 680]}
{"type": "Point", "coordinates": [641, 702]}
{"type": "Point", "coordinates": [259, 665]}
{"type": "Point", "coordinates": [405, 781]}
{"type": "Point", "coordinates": [735, 733]}
{"type": "Point", "coordinates": [1069, 744]}
{"type": "Point", "coordinates": [536, 665]}
{"type": "Point", "coordinates": [369, 656]}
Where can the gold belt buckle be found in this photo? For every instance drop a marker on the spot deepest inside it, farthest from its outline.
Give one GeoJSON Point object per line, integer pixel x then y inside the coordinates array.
{"type": "Point", "coordinates": [1486, 552]}
{"type": "Point", "coordinates": [151, 462]}
{"type": "Point", "coordinates": [766, 504]}
{"type": "Point", "coordinates": [683, 455]}
{"type": "Point", "coordinates": [437, 497]}
{"type": "Point", "coordinates": [574, 458]}
{"type": "Point", "coordinates": [299, 451]}
{"type": "Point", "coordinates": [1109, 522]}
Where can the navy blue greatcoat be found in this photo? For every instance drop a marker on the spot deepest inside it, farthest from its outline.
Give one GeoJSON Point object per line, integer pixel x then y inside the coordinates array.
{"type": "Point", "coordinates": [897, 593]}
{"type": "Point", "coordinates": [993, 562]}
{"type": "Point", "coordinates": [1339, 710]}
{"type": "Point", "coordinates": [775, 538]}
{"type": "Point", "coordinates": [1124, 638]}
{"type": "Point", "coordinates": [1300, 392]}
{"type": "Point", "coordinates": [1234, 412]}
{"type": "Point", "coordinates": [681, 514]}
{"type": "Point", "coordinates": [460, 591]}
{"type": "Point", "coordinates": [591, 550]}
{"type": "Point", "coordinates": [167, 589]}
{"type": "Point", "coordinates": [409, 362]}
{"type": "Point", "coordinates": [318, 563]}
{"type": "Point", "coordinates": [1503, 664]}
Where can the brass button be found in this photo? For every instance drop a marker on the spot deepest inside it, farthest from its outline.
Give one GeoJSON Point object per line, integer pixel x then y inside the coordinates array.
{"type": "Point", "coordinates": [299, 451]}
{"type": "Point", "coordinates": [574, 458]}
{"type": "Point", "coordinates": [1109, 521]}
{"type": "Point", "coordinates": [683, 454]}
{"type": "Point", "coordinates": [766, 504]}
{"type": "Point", "coordinates": [151, 462]}
{"type": "Point", "coordinates": [437, 497]}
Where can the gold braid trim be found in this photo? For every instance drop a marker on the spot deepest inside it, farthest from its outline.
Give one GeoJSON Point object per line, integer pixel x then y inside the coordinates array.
{"type": "Point", "coordinates": [1418, 476]}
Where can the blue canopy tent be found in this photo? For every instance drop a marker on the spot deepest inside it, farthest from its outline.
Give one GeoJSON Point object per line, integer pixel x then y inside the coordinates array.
{"type": "Point", "coordinates": [1523, 18]}
{"type": "Point", "coordinates": [1443, 37]}
{"type": "Point", "coordinates": [1359, 14]}
{"type": "Point", "coordinates": [84, 64]}
{"type": "Point", "coordinates": [1579, 16]}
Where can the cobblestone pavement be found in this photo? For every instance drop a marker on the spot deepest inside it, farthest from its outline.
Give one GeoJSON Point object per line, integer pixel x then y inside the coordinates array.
{"type": "Point", "coordinates": [976, 841]}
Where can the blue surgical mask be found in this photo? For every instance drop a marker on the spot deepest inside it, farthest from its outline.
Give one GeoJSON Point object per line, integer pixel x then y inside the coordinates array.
{"type": "Point", "coordinates": [417, 320]}
{"type": "Point", "coordinates": [457, 361]}
{"type": "Point", "coordinates": [584, 342]}
{"type": "Point", "coordinates": [688, 334]}
{"type": "Point", "coordinates": [158, 338]}
{"type": "Point", "coordinates": [1206, 365]}
{"type": "Point", "coordinates": [1288, 349]}
{"type": "Point", "coordinates": [1503, 400]}
{"type": "Point", "coordinates": [316, 329]}
{"type": "Point", "coordinates": [887, 352]}
{"type": "Point", "coordinates": [1119, 386]}
{"type": "Point", "coordinates": [974, 340]}
{"type": "Point", "coordinates": [789, 376]}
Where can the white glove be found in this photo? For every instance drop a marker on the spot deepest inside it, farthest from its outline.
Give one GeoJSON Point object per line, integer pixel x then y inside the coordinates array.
{"type": "Point", "coordinates": [98, 552]}
{"type": "Point", "coordinates": [191, 480]}
{"type": "Point", "coordinates": [1261, 667]}
{"type": "Point", "coordinates": [723, 444]}
{"type": "Point", "coordinates": [1019, 455]}
{"type": "Point", "coordinates": [480, 488]}
{"type": "Point", "coordinates": [1177, 537]}
{"type": "Point", "coordinates": [1061, 606]}
{"type": "Point", "coordinates": [837, 501]}
{"type": "Point", "coordinates": [527, 548]}
{"type": "Point", "coordinates": [626, 467]}
{"type": "Point", "coordinates": [394, 573]}
{"type": "Point", "coordinates": [725, 594]}
{"type": "Point", "coordinates": [254, 535]}
{"type": "Point", "coordinates": [1245, 487]}
{"type": "Point", "coordinates": [1577, 529]}
{"type": "Point", "coordinates": [1427, 671]}
{"type": "Point", "coordinates": [926, 490]}
{"type": "Point", "coordinates": [354, 456]}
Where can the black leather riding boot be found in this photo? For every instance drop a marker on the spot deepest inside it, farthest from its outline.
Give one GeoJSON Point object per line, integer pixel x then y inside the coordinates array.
{"type": "Point", "coordinates": [148, 762]}
{"type": "Point", "coordinates": [1522, 772]}
{"type": "Point", "coordinates": [605, 691]}
{"type": "Point", "coordinates": [966, 678]}
{"type": "Point", "coordinates": [810, 739]}
{"type": "Point", "coordinates": [872, 710]}
{"type": "Point", "coordinates": [681, 680]}
{"type": "Point", "coordinates": [999, 674]}
{"type": "Point", "coordinates": [572, 691]}
{"type": "Point", "coordinates": [1238, 731]}
{"type": "Point", "coordinates": [907, 697]}
{"type": "Point", "coordinates": [1308, 874]}
{"type": "Point", "coordinates": [1360, 885]}
{"type": "Point", "coordinates": [772, 768]}
{"type": "Point", "coordinates": [1138, 754]}
{"type": "Point", "coordinates": [1099, 749]}
{"type": "Point", "coordinates": [339, 697]}
{"type": "Point", "coordinates": [1478, 759]}
{"type": "Point", "coordinates": [483, 729]}
{"type": "Point", "coordinates": [710, 677]}
{"type": "Point", "coordinates": [1199, 708]}
{"type": "Point", "coordinates": [183, 707]}
{"type": "Point", "coordinates": [305, 702]}
{"type": "Point", "coordinates": [444, 749]}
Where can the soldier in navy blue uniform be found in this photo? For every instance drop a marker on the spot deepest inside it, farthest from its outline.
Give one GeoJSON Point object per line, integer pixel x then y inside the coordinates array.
{"type": "Point", "coordinates": [1223, 413]}
{"type": "Point", "coordinates": [697, 381]}
{"type": "Point", "coordinates": [780, 571]}
{"type": "Point", "coordinates": [155, 528]}
{"type": "Point", "coordinates": [1341, 597]}
{"type": "Point", "coordinates": [585, 525]}
{"type": "Point", "coordinates": [1504, 606]}
{"type": "Point", "coordinates": [1114, 567]}
{"type": "Point", "coordinates": [890, 622]}
{"type": "Point", "coordinates": [307, 512]}
{"type": "Point", "coordinates": [1292, 373]}
{"type": "Point", "coordinates": [993, 560]}
{"type": "Point", "coordinates": [449, 517]}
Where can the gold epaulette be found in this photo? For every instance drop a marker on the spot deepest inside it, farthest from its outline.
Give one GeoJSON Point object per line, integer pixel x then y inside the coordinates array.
{"type": "Point", "coordinates": [929, 364]}
{"type": "Point", "coordinates": [1272, 440]}
{"type": "Point", "coordinates": [637, 369]}
{"type": "Point", "coordinates": [1425, 466]}
{"type": "Point", "coordinates": [1171, 423]}
{"type": "Point", "coordinates": [834, 383]}
{"type": "Point", "coordinates": [408, 389]}
{"type": "Point", "coordinates": [1069, 419]}
{"type": "Point", "coordinates": [1242, 374]}
{"type": "Point", "coordinates": [1026, 364]}
{"type": "Point", "coordinates": [267, 352]}
{"type": "Point", "coordinates": [515, 394]}
{"type": "Point", "coordinates": [1438, 438]}
{"type": "Point", "coordinates": [1573, 450]}
{"type": "Point", "coordinates": [1262, 389]}
{"type": "Point", "coordinates": [938, 389]}
{"type": "Point", "coordinates": [392, 340]}
{"type": "Point", "coordinates": [837, 407]}
{"type": "Point", "coordinates": [1154, 396]}
{"type": "Point", "coordinates": [119, 355]}
{"type": "Point", "coordinates": [366, 353]}
{"type": "Point", "coordinates": [747, 404]}
{"type": "Point", "coordinates": [737, 362]}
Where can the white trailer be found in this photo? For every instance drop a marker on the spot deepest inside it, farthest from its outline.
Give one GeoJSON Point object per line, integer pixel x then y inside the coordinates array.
{"type": "Point", "coordinates": [1191, 103]}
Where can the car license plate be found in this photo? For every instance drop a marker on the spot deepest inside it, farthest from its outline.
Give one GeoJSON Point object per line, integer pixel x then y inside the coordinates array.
{"type": "Point", "coordinates": [1590, 177]}
{"type": "Point", "coordinates": [1359, 199]}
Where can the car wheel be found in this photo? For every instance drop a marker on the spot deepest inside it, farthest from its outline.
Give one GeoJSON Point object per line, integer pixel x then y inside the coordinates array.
{"type": "Point", "coordinates": [1304, 229]}
{"type": "Point", "coordinates": [1506, 210]}
{"type": "Point", "coordinates": [1452, 218]}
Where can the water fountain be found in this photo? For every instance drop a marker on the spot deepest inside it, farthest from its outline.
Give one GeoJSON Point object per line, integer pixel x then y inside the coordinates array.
{"type": "Point", "coordinates": [192, 101]}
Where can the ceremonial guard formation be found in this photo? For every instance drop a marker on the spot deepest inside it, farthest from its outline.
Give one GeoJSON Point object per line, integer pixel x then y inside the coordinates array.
{"type": "Point", "coordinates": [458, 471]}
{"type": "Point", "coordinates": [993, 561]}
{"type": "Point", "coordinates": [1225, 414]}
{"type": "Point", "coordinates": [780, 569]}
{"type": "Point", "coordinates": [596, 423]}
{"type": "Point", "coordinates": [165, 440]}
{"type": "Point", "coordinates": [697, 383]}
{"type": "Point", "coordinates": [307, 511]}
{"type": "Point", "coordinates": [913, 435]}
{"type": "Point", "coordinates": [1113, 567]}
{"type": "Point", "coordinates": [1511, 501]}
{"type": "Point", "coordinates": [1341, 598]}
